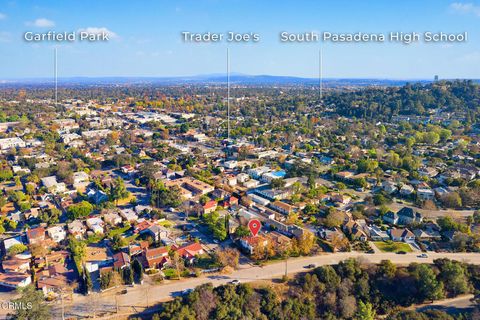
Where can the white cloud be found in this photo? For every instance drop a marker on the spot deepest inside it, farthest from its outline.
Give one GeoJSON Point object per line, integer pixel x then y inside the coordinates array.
{"type": "Point", "coordinates": [3, 16]}
{"type": "Point", "coordinates": [41, 23]}
{"type": "Point", "coordinates": [465, 8]}
{"type": "Point", "coordinates": [102, 30]}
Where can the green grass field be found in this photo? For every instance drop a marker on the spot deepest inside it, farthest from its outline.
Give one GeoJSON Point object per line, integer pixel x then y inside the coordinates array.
{"type": "Point", "coordinates": [393, 246]}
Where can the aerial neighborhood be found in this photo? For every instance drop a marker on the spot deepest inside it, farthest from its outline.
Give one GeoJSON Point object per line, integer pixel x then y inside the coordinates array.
{"type": "Point", "coordinates": [107, 193]}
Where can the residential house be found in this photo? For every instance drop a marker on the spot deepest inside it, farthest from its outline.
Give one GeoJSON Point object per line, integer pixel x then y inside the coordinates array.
{"type": "Point", "coordinates": [355, 230]}
{"type": "Point", "coordinates": [36, 235]}
{"type": "Point", "coordinates": [80, 180]}
{"type": "Point", "coordinates": [57, 233]}
{"type": "Point", "coordinates": [330, 234]}
{"type": "Point", "coordinates": [390, 217]}
{"type": "Point", "coordinates": [129, 215]}
{"type": "Point", "coordinates": [402, 234]}
{"type": "Point", "coordinates": [53, 185]}
{"type": "Point", "coordinates": [389, 186]}
{"type": "Point", "coordinates": [8, 242]}
{"type": "Point", "coordinates": [95, 224]}
{"type": "Point", "coordinates": [15, 264]}
{"type": "Point", "coordinates": [15, 280]}
{"type": "Point", "coordinates": [155, 258]}
{"type": "Point", "coordinates": [250, 243]}
{"type": "Point", "coordinates": [425, 194]}
{"type": "Point", "coordinates": [427, 235]}
{"type": "Point", "coordinates": [77, 229]}
{"type": "Point", "coordinates": [406, 190]}
{"type": "Point", "coordinates": [189, 252]}
{"type": "Point", "coordinates": [157, 232]}
{"type": "Point", "coordinates": [121, 260]}
{"type": "Point", "coordinates": [112, 218]}
{"type": "Point", "coordinates": [340, 199]}
{"type": "Point", "coordinates": [377, 234]}
{"type": "Point", "coordinates": [407, 215]}
{"type": "Point", "coordinates": [281, 207]}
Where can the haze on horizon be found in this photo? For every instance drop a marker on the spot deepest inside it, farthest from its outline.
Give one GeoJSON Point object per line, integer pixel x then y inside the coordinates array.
{"type": "Point", "coordinates": [146, 39]}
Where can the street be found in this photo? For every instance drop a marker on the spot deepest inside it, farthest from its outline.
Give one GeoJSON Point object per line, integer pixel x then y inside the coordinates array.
{"type": "Point", "coordinates": [136, 299]}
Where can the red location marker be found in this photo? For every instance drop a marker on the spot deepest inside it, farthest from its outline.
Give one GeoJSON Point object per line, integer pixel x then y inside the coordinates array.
{"type": "Point", "coordinates": [254, 225]}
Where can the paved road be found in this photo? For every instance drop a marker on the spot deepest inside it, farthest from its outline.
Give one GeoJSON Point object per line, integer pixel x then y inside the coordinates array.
{"type": "Point", "coordinates": [136, 298]}
{"type": "Point", "coordinates": [462, 302]}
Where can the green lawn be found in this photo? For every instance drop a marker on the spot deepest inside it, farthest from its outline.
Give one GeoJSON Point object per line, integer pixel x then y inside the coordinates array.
{"type": "Point", "coordinates": [393, 246]}
{"type": "Point", "coordinates": [170, 273]}
{"type": "Point", "coordinates": [116, 231]}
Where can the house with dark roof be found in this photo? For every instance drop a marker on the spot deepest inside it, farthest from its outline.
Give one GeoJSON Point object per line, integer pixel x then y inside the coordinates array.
{"type": "Point", "coordinates": [390, 217]}
{"type": "Point", "coordinates": [121, 260]}
{"type": "Point", "coordinates": [408, 216]}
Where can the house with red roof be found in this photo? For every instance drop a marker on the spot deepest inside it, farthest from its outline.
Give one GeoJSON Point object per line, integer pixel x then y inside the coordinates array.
{"type": "Point", "coordinates": [189, 252]}
{"type": "Point", "coordinates": [142, 226]}
{"type": "Point", "coordinates": [209, 207]}
{"type": "Point", "coordinates": [155, 258]}
{"type": "Point", "coordinates": [36, 235]}
{"type": "Point", "coordinates": [251, 242]}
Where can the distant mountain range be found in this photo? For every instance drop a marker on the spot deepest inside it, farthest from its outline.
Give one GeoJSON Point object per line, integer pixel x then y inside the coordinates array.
{"type": "Point", "coordinates": [212, 79]}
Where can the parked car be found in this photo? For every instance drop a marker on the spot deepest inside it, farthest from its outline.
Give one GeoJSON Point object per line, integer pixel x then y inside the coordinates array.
{"type": "Point", "coordinates": [423, 255]}
{"type": "Point", "coordinates": [401, 252]}
{"type": "Point", "coordinates": [311, 266]}
{"type": "Point", "coordinates": [235, 282]}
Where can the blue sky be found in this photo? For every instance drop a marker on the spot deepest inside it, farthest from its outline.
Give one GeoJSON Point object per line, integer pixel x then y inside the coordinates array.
{"type": "Point", "coordinates": [147, 38]}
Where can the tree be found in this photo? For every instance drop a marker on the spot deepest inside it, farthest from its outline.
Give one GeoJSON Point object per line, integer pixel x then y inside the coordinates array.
{"type": "Point", "coordinates": [365, 311]}
{"type": "Point", "coordinates": [228, 257]}
{"type": "Point", "coordinates": [137, 270]}
{"type": "Point", "coordinates": [328, 276]}
{"type": "Point", "coordinates": [127, 275]}
{"type": "Point", "coordinates": [50, 216]}
{"type": "Point", "coordinates": [166, 197]}
{"type": "Point", "coordinates": [34, 302]}
{"type": "Point", "coordinates": [242, 231]}
{"type": "Point", "coordinates": [87, 281]}
{"type": "Point", "coordinates": [278, 183]}
{"type": "Point", "coordinates": [367, 165]}
{"type": "Point", "coordinates": [80, 210]}
{"type": "Point", "coordinates": [429, 288]}
{"type": "Point", "coordinates": [16, 249]}
{"type": "Point", "coordinates": [452, 200]}
{"type": "Point", "coordinates": [6, 174]}
{"type": "Point", "coordinates": [118, 190]}
{"type": "Point", "coordinates": [334, 218]}
{"type": "Point", "coordinates": [453, 276]}
{"type": "Point", "coordinates": [118, 242]}
{"type": "Point", "coordinates": [387, 269]}
{"type": "Point", "coordinates": [306, 242]}
{"type": "Point", "coordinates": [38, 250]}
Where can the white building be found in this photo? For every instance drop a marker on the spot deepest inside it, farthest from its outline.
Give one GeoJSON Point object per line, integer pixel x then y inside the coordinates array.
{"type": "Point", "coordinates": [9, 143]}
{"type": "Point", "coordinates": [57, 233]}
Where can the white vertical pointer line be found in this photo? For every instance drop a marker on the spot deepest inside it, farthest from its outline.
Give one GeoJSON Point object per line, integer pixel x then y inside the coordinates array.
{"type": "Point", "coordinates": [55, 74]}
{"type": "Point", "coordinates": [320, 70]}
{"type": "Point", "coordinates": [228, 93]}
